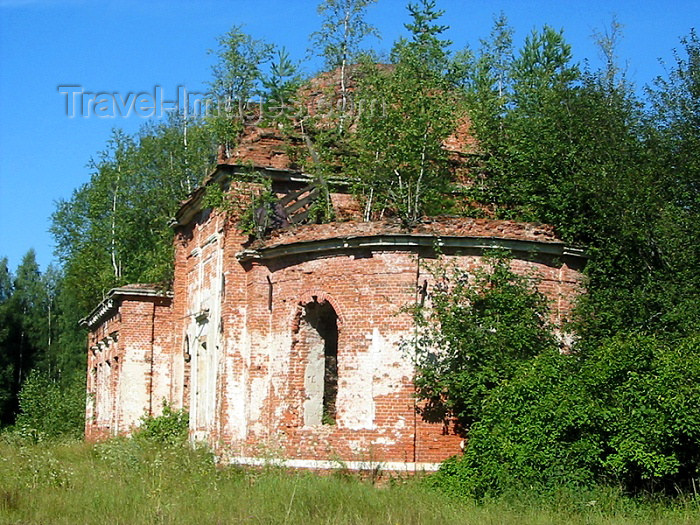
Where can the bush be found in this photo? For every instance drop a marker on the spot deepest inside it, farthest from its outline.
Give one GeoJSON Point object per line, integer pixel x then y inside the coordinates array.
{"type": "Point", "coordinates": [624, 413]}
{"type": "Point", "coordinates": [170, 428]}
{"type": "Point", "coordinates": [477, 334]}
{"type": "Point", "coordinates": [533, 435]}
{"type": "Point", "coordinates": [650, 390]}
{"type": "Point", "coordinates": [51, 409]}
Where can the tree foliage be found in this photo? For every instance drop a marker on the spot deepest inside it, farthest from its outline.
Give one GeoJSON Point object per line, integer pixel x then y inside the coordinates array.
{"type": "Point", "coordinates": [576, 148]}
{"type": "Point", "coordinates": [343, 29]}
{"type": "Point", "coordinates": [478, 331]}
{"type": "Point", "coordinates": [50, 408]}
{"type": "Point", "coordinates": [7, 341]}
{"type": "Point", "coordinates": [237, 77]}
{"type": "Point", "coordinates": [27, 328]}
{"type": "Point", "coordinates": [488, 78]}
{"type": "Point", "coordinates": [621, 414]}
{"type": "Point", "coordinates": [674, 139]}
{"type": "Point", "coordinates": [411, 108]}
{"type": "Point", "coordinates": [281, 85]}
{"type": "Point", "coordinates": [115, 229]}
{"type": "Point", "coordinates": [559, 143]}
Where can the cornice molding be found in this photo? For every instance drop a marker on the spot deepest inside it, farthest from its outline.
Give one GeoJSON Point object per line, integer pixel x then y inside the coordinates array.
{"type": "Point", "coordinates": [409, 242]}
{"type": "Point", "coordinates": [110, 304]}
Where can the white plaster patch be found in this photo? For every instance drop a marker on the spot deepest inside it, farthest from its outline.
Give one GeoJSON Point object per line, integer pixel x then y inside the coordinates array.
{"type": "Point", "coordinates": [378, 372]}
{"type": "Point", "coordinates": [133, 396]}
{"type": "Point", "coordinates": [258, 394]}
{"type": "Point", "coordinates": [280, 349]}
{"type": "Point", "coordinates": [236, 401]}
{"type": "Point", "coordinates": [393, 466]}
{"type": "Point", "coordinates": [357, 446]}
{"type": "Point", "coordinates": [390, 365]}
{"type": "Point", "coordinates": [355, 399]}
{"type": "Point", "coordinates": [314, 373]}
{"type": "Point", "coordinates": [383, 441]}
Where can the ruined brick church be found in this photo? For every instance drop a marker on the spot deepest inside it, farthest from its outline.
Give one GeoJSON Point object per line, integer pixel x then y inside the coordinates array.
{"type": "Point", "coordinates": [289, 346]}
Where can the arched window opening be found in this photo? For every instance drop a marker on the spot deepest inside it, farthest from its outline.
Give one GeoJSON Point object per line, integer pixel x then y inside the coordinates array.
{"type": "Point", "coordinates": [319, 323]}
{"type": "Point", "coordinates": [186, 350]}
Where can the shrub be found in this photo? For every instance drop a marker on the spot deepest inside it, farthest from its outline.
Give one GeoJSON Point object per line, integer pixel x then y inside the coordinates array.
{"type": "Point", "coordinates": [51, 409]}
{"type": "Point", "coordinates": [170, 428]}
{"type": "Point", "coordinates": [479, 331]}
{"type": "Point", "coordinates": [533, 435]}
{"type": "Point", "coordinates": [650, 390]}
{"type": "Point", "coordinates": [624, 412]}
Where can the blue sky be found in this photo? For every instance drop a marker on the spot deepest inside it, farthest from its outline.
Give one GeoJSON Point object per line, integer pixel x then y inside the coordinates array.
{"type": "Point", "coordinates": [127, 46]}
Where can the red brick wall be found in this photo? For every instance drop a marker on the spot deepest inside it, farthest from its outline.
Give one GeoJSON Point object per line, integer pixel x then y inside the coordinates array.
{"type": "Point", "coordinates": [100, 416]}
{"type": "Point", "coordinates": [368, 293]}
{"type": "Point", "coordinates": [244, 377]}
{"type": "Point", "coordinates": [259, 369]}
{"type": "Point", "coordinates": [122, 386]}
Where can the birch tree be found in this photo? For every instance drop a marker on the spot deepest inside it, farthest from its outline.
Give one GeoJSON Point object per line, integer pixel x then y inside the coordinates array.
{"type": "Point", "coordinates": [338, 41]}
{"type": "Point", "coordinates": [237, 78]}
{"type": "Point", "coordinates": [114, 229]}
{"type": "Point", "coordinates": [400, 159]}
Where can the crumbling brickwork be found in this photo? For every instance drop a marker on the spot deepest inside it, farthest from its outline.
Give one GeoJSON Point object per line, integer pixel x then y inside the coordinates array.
{"type": "Point", "coordinates": [129, 359]}
{"type": "Point", "coordinates": [241, 348]}
{"type": "Point", "coordinates": [298, 346]}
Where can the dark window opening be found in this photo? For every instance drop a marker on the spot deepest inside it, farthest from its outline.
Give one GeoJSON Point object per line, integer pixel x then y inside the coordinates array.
{"type": "Point", "coordinates": [186, 350]}
{"type": "Point", "coordinates": [323, 319]}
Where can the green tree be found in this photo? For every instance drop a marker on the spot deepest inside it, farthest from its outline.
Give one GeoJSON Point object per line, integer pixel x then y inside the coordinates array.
{"type": "Point", "coordinates": [524, 170]}
{"type": "Point", "coordinates": [425, 45]}
{"type": "Point", "coordinates": [569, 151]}
{"type": "Point", "coordinates": [542, 69]}
{"type": "Point", "coordinates": [674, 140]}
{"type": "Point", "coordinates": [478, 331]}
{"type": "Point", "coordinates": [411, 108]}
{"type": "Point", "coordinates": [237, 78]}
{"type": "Point", "coordinates": [68, 348]}
{"type": "Point", "coordinates": [46, 359]}
{"type": "Point", "coordinates": [51, 409]}
{"type": "Point", "coordinates": [8, 332]}
{"type": "Point", "coordinates": [25, 324]}
{"type": "Point", "coordinates": [620, 414]}
{"type": "Point", "coordinates": [115, 229]}
{"type": "Point", "coordinates": [489, 85]}
{"type": "Point", "coordinates": [575, 149]}
{"type": "Point", "coordinates": [281, 85]}
{"type": "Point", "coordinates": [90, 228]}
{"type": "Point", "coordinates": [343, 29]}
{"type": "Point", "coordinates": [5, 281]}
{"type": "Point", "coordinates": [612, 75]}
{"type": "Point", "coordinates": [29, 303]}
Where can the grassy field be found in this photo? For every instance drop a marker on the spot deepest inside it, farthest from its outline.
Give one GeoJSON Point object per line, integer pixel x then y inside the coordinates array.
{"type": "Point", "coordinates": [129, 482]}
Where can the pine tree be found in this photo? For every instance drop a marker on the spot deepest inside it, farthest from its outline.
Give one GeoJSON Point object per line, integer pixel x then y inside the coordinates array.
{"type": "Point", "coordinates": [8, 332]}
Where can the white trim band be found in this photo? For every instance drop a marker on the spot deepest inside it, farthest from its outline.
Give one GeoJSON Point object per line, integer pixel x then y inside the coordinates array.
{"type": "Point", "coordinates": [318, 464]}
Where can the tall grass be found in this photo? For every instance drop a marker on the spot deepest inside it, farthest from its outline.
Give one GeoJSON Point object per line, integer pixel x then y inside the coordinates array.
{"type": "Point", "coordinates": [135, 482]}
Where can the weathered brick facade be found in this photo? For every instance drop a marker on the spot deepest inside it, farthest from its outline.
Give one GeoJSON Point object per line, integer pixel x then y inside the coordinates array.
{"type": "Point", "coordinates": [291, 347]}
{"type": "Point", "coordinates": [129, 359]}
{"type": "Point", "coordinates": [297, 347]}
